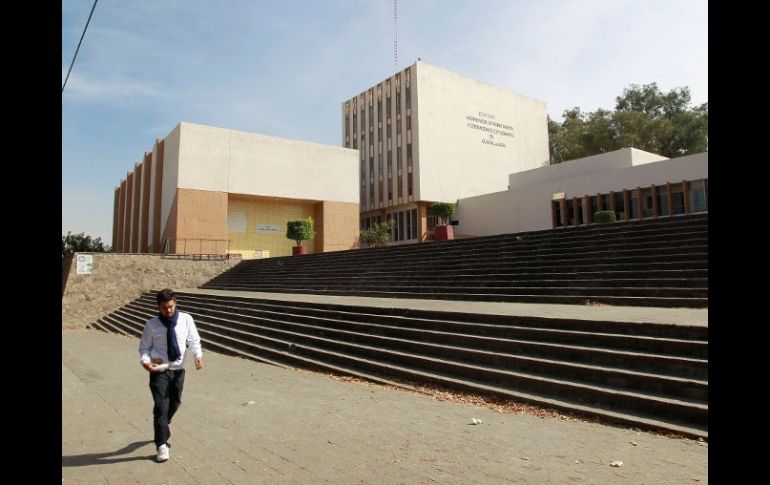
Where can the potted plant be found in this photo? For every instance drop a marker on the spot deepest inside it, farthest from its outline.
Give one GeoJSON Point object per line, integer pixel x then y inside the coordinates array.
{"type": "Point", "coordinates": [298, 231]}
{"type": "Point", "coordinates": [444, 211]}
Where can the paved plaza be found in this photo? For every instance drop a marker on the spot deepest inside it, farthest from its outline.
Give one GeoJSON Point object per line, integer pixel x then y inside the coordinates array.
{"type": "Point", "coordinates": [246, 422]}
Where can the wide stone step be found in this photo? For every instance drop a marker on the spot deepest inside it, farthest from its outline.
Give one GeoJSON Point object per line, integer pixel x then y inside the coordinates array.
{"type": "Point", "coordinates": [489, 324]}
{"type": "Point", "coordinates": [536, 268]}
{"type": "Point", "coordinates": [480, 281]}
{"type": "Point", "coordinates": [666, 302]}
{"type": "Point", "coordinates": [462, 289]}
{"type": "Point", "coordinates": [483, 252]}
{"type": "Point", "coordinates": [440, 363]}
{"type": "Point", "coordinates": [571, 236]}
{"type": "Point", "coordinates": [670, 261]}
{"type": "Point", "coordinates": [601, 349]}
{"type": "Point", "coordinates": [579, 393]}
{"type": "Point", "coordinates": [644, 382]}
{"type": "Point", "coordinates": [492, 324]}
{"type": "Point", "coordinates": [433, 274]}
{"type": "Point", "coordinates": [596, 256]}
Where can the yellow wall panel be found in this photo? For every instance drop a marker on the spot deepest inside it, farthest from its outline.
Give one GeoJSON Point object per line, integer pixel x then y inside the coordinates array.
{"type": "Point", "coordinates": [244, 214]}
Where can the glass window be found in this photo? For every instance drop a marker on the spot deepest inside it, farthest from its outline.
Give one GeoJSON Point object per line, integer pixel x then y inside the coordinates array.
{"type": "Point", "coordinates": [662, 192]}
{"type": "Point", "coordinates": [414, 224]}
{"type": "Point", "coordinates": [677, 199]}
{"type": "Point", "coordinates": [620, 209]}
{"type": "Point", "coordinates": [646, 202]}
{"type": "Point", "coordinates": [401, 230]}
{"type": "Point", "coordinates": [395, 226]}
{"type": "Point", "coordinates": [633, 205]}
{"type": "Point", "coordinates": [408, 217]}
{"type": "Point", "coordinates": [557, 211]}
{"type": "Point", "coordinates": [697, 196]}
{"type": "Point", "coordinates": [580, 212]}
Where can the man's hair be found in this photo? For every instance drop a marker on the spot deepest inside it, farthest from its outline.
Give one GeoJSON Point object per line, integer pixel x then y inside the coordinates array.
{"type": "Point", "coordinates": [166, 294]}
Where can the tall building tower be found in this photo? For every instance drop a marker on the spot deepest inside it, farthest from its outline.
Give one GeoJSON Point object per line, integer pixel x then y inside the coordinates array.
{"type": "Point", "coordinates": [429, 135]}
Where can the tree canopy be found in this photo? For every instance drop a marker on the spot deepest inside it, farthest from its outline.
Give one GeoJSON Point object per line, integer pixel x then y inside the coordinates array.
{"type": "Point", "coordinates": [644, 118]}
{"type": "Point", "coordinates": [72, 243]}
{"type": "Point", "coordinates": [443, 210]}
{"type": "Point", "coordinates": [300, 230]}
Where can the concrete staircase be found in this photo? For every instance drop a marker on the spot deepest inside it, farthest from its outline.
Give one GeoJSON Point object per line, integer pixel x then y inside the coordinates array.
{"type": "Point", "coordinates": [657, 262]}
{"type": "Point", "coordinates": [652, 376]}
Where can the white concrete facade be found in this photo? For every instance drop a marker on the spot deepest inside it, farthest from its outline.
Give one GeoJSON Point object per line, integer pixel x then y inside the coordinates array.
{"type": "Point", "coordinates": [470, 133]}
{"type": "Point", "coordinates": [526, 206]}
{"type": "Point", "coordinates": [182, 191]}
{"type": "Point", "coordinates": [427, 134]}
{"type": "Point", "coordinates": [221, 160]}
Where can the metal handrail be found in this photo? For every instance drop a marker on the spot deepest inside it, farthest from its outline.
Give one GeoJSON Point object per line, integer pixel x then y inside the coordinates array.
{"type": "Point", "coordinates": [168, 243]}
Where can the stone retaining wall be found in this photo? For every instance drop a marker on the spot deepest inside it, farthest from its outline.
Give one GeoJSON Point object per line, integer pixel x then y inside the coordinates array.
{"type": "Point", "coordinates": [118, 279]}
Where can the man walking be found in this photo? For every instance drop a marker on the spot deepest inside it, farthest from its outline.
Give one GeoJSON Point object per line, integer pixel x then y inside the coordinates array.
{"type": "Point", "coordinates": [159, 350]}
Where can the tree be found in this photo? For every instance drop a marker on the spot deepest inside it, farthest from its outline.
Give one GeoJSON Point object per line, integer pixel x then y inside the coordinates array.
{"type": "Point", "coordinates": [377, 235]}
{"type": "Point", "coordinates": [644, 118]}
{"type": "Point", "coordinates": [72, 243]}
{"type": "Point", "coordinates": [443, 210]}
{"type": "Point", "coordinates": [300, 230]}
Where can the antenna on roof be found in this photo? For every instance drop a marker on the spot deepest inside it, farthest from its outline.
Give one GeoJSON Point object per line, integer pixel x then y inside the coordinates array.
{"type": "Point", "coordinates": [395, 34]}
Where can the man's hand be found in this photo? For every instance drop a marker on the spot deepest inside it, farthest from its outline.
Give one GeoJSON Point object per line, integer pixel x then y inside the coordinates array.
{"type": "Point", "coordinates": [199, 363]}
{"type": "Point", "coordinates": [152, 366]}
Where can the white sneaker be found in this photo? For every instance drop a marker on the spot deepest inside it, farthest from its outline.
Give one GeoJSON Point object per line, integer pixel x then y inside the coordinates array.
{"type": "Point", "coordinates": [163, 452]}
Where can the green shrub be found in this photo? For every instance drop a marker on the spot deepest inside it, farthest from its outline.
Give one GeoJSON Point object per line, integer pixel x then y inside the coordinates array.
{"type": "Point", "coordinates": [377, 235]}
{"type": "Point", "coordinates": [300, 230]}
{"type": "Point", "coordinates": [602, 217]}
{"type": "Point", "coordinates": [443, 210]}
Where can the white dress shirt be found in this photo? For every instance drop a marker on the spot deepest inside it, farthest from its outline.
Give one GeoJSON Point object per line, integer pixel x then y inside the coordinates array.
{"type": "Point", "coordinates": [153, 342]}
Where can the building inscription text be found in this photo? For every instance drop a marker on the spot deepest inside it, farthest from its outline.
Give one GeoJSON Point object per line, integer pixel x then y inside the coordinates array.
{"type": "Point", "coordinates": [486, 122]}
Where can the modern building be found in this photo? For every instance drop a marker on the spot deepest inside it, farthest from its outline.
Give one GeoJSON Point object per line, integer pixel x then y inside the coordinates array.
{"type": "Point", "coordinates": [423, 135]}
{"type": "Point", "coordinates": [633, 183]}
{"type": "Point", "coordinates": [428, 135]}
{"type": "Point", "coordinates": [208, 190]}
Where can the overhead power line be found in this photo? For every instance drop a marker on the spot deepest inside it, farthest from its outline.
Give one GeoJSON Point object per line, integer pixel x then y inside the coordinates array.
{"type": "Point", "coordinates": [78, 49]}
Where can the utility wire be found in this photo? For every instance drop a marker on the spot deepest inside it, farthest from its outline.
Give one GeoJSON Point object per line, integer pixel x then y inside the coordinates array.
{"type": "Point", "coordinates": [78, 49]}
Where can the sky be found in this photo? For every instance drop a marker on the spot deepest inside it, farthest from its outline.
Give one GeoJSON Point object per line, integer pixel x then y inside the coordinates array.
{"type": "Point", "coordinates": [283, 67]}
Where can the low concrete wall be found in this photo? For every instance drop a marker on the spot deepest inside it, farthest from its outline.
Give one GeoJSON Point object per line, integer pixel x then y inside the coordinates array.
{"type": "Point", "coordinates": [118, 279]}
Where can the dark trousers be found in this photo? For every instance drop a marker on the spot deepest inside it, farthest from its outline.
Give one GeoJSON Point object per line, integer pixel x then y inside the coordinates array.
{"type": "Point", "coordinates": [166, 388]}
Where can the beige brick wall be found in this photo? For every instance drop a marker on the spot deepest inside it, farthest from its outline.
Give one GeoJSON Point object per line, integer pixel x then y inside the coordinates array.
{"type": "Point", "coordinates": [202, 221]}
{"type": "Point", "coordinates": [118, 279]}
{"type": "Point", "coordinates": [339, 226]}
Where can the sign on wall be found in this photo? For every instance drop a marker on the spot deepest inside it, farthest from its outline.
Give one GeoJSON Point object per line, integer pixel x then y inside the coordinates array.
{"type": "Point", "coordinates": [268, 228]}
{"type": "Point", "coordinates": [85, 263]}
